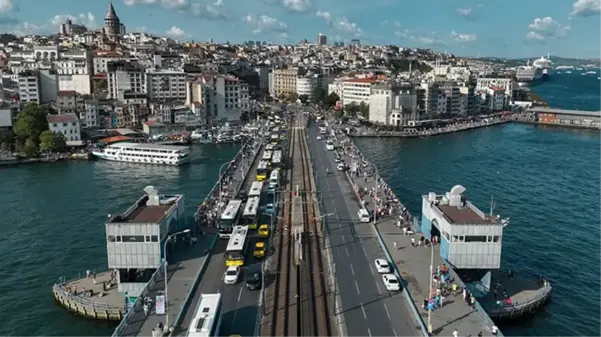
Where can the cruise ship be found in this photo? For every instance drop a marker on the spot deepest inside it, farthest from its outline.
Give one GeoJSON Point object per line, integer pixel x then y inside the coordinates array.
{"type": "Point", "coordinates": [528, 74]}
{"type": "Point", "coordinates": [145, 153]}
{"type": "Point", "coordinates": [545, 65]}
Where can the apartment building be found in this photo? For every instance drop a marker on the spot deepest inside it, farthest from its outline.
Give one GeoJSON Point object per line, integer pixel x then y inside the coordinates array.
{"type": "Point", "coordinates": [390, 105]}
{"type": "Point", "coordinates": [356, 90]}
{"type": "Point", "coordinates": [29, 86]}
{"type": "Point", "coordinates": [496, 98]}
{"type": "Point", "coordinates": [454, 100]}
{"type": "Point", "coordinates": [200, 97]}
{"type": "Point", "coordinates": [74, 69]}
{"type": "Point", "coordinates": [165, 85]}
{"type": "Point", "coordinates": [69, 102]}
{"type": "Point", "coordinates": [284, 81]}
{"type": "Point", "coordinates": [509, 86]}
{"type": "Point", "coordinates": [431, 101]}
{"type": "Point", "coordinates": [125, 77]}
{"type": "Point", "coordinates": [101, 60]}
{"type": "Point", "coordinates": [90, 116]}
{"type": "Point", "coordinates": [67, 124]}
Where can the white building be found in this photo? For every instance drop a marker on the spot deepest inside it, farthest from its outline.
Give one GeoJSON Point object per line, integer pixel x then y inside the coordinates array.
{"type": "Point", "coordinates": [392, 106]}
{"type": "Point", "coordinates": [496, 98]}
{"type": "Point", "coordinates": [165, 85]}
{"type": "Point", "coordinates": [306, 85]}
{"type": "Point", "coordinates": [90, 117]}
{"type": "Point", "coordinates": [356, 90]}
{"type": "Point", "coordinates": [507, 84]}
{"type": "Point", "coordinates": [29, 86]}
{"type": "Point", "coordinates": [125, 77]}
{"type": "Point", "coordinates": [67, 124]}
{"type": "Point", "coordinates": [101, 60]}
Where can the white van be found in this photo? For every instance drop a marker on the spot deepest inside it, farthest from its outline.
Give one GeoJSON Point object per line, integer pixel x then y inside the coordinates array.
{"type": "Point", "coordinates": [363, 215]}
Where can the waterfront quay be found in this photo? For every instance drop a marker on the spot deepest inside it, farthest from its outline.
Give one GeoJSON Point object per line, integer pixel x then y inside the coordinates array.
{"type": "Point", "coordinates": [97, 295]}
{"type": "Point", "coordinates": [459, 126]}
{"type": "Point", "coordinates": [400, 233]}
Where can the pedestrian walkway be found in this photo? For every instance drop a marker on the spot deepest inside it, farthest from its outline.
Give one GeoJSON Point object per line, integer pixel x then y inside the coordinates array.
{"type": "Point", "coordinates": [182, 272]}
{"type": "Point", "coordinates": [414, 262]}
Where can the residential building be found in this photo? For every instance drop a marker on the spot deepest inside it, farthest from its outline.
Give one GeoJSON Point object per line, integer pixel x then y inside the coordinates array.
{"type": "Point", "coordinates": [231, 97]}
{"type": "Point", "coordinates": [454, 100]}
{"type": "Point", "coordinates": [165, 85]}
{"type": "Point", "coordinates": [431, 101]}
{"type": "Point", "coordinates": [356, 90]}
{"type": "Point", "coordinates": [390, 105]}
{"type": "Point", "coordinates": [29, 86]}
{"type": "Point", "coordinates": [508, 84]}
{"type": "Point", "coordinates": [101, 60]}
{"type": "Point", "coordinates": [67, 124]}
{"type": "Point", "coordinates": [69, 102]}
{"type": "Point", "coordinates": [496, 98]}
{"type": "Point", "coordinates": [49, 85]}
{"type": "Point", "coordinates": [284, 81]}
{"type": "Point", "coordinates": [125, 77]}
{"type": "Point", "coordinates": [90, 116]}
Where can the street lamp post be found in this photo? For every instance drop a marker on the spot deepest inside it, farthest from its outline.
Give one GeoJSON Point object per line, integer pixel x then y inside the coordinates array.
{"type": "Point", "coordinates": [430, 287]}
{"type": "Point", "coordinates": [376, 175]}
{"type": "Point", "coordinates": [165, 271]}
{"type": "Point", "coordinates": [220, 180]}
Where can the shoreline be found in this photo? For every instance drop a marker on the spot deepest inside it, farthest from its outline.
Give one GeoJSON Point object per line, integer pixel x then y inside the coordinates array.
{"type": "Point", "coordinates": [45, 160]}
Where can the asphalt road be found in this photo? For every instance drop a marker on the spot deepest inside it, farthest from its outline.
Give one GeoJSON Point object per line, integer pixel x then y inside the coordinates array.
{"type": "Point", "coordinates": [369, 309]}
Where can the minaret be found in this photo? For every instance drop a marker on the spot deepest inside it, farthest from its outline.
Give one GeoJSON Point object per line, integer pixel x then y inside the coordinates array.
{"type": "Point", "coordinates": [112, 24]}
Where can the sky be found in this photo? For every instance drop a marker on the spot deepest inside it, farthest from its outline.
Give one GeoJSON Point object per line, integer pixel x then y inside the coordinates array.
{"type": "Point", "coordinates": [507, 28]}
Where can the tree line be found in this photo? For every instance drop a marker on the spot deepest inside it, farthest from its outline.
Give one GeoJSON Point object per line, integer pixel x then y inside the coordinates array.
{"type": "Point", "coordinates": [30, 134]}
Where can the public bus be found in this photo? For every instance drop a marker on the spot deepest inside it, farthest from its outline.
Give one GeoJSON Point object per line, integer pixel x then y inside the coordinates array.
{"type": "Point", "coordinates": [267, 155]}
{"type": "Point", "coordinates": [269, 147]}
{"type": "Point", "coordinates": [229, 218]}
{"type": "Point", "coordinates": [236, 247]}
{"type": "Point", "coordinates": [275, 137]}
{"type": "Point", "coordinates": [251, 211]}
{"type": "Point", "coordinates": [262, 170]}
{"type": "Point", "coordinates": [255, 189]}
{"type": "Point", "coordinates": [329, 145]}
{"type": "Point", "coordinates": [276, 159]}
{"type": "Point", "coordinates": [274, 178]}
{"type": "Point", "coordinates": [207, 317]}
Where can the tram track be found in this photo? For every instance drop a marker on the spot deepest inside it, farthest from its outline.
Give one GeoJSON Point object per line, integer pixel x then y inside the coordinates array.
{"type": "Point", "coordinates": [301, 294]}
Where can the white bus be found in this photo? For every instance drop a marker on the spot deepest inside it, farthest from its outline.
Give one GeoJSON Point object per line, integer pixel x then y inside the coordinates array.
{"type": "Point", "coordinates": [274, 177]}
{"type": "Point", "coordinates": [276, 159]}
{"type": "Point", "coordinates": [329, 145]}
{"type": "Point", "coordinates": [262, 170]}
{"type": "Point", "coordinates": [267, 155]}
{"type": "Point", "coordinates": [251, 209]}
{"type": "Point", "coordinates": [269, 147]}
{"type": "Point", "coordinates": [236, 247]}
{"type": "Point", "coordinates": [207, 317]}
{"type": "Point", "coordinates": [229, 218]}
{"type": "Point", "coordinates": [274, 138]}
{"type": "Point", "coordinates": [255, 189]}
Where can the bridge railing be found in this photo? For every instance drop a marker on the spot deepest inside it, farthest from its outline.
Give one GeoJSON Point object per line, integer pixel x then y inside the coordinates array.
{"type": "Point", "coordinates": [60, 287]}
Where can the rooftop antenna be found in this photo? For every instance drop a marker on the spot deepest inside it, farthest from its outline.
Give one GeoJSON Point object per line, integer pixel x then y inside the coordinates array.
{"type": "Point", "coordinates": [492, 204]}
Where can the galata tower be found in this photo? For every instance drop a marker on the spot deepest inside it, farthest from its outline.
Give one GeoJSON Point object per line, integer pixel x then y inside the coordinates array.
{"type": "Point", "coordinates": [112, 24]}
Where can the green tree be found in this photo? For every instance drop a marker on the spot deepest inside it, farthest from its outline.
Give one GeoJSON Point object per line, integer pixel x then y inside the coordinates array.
{"type": "Point", "coordinates": [364, 110]}
{"type": "Point", "coordinates": [7, 140]}
{"type": "Point", "coordinates": [319, 94]}
{"type": "Point", "coordinates": [351, 109]}
{"type": "Point", "coordinates": [303, 98]}
{"type": "Point", "coordinates": [30, 149]}
{"type": "Point", "coordinates": [30, 123]}
{"type": "Point", "coordinates": [292, 97]}
{"type": "Point", "coordinates": [330, 100]}
{"type": "Point", "coordinates": [339, 113]}
{"type": "Point", "coordinates": [52, 141]}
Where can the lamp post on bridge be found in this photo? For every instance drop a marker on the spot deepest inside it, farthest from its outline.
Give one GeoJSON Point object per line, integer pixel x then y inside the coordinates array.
{"type": "Point", "coordinates": [220, 180]}
{"type": "Point", "coordinates": [165, 272]}
{"type": "Point", "coordinates": [376, 177]}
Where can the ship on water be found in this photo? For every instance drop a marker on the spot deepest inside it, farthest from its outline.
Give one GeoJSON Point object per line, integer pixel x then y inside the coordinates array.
{"type": "Point", "coordinates": [534, 72]}
{"type": "Point", "coordinates": [545, 65]}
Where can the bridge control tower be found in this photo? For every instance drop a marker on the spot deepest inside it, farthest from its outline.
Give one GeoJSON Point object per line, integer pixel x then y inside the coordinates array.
{"type": "Point", "coordinates": [469, 238]}
{"type": "Point", "coordinates": [134, 239]}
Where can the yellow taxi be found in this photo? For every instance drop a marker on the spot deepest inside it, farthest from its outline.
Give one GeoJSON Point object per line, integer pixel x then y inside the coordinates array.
{"type": "Point", "coordinates": [263, 231]}
{"type": "Point", "coordinates": [259, 249]}
{"type": "Point", "coordinates": [252, 226]}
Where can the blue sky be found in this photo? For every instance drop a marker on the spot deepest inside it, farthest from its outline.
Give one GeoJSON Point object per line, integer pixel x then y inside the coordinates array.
{"type": "Point", "coordinates": [509, 28]}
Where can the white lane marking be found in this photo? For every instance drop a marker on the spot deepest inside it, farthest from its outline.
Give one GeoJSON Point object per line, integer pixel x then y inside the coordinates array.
{"type": "Point", "coordinates": [369, 332]}
{"type": "Point", "coordinates": [371, 268]}
{"type": "Point", "coordinates": [363, 309]}
{"type": "Point", "coordinates": [347, 254]}
{"type": "Point", "coordinates": [395, 335]}
{"type": "Point", "coordinates": [387, 313]}
{"type": "Point", "coordinates": [332, 201]}
{"type": "Point", "coordinates": [240, 294]}
{"type": "Point", "coordinates": [357, 286]}
{"type": "Point", "coordinates": [378, 286]}
{"type": "Point", "coordinates": [343, 240]}
{"type": "Point", "coordinates": [364, 251]}
{"type": "Point", "coordinates": [352, 269]}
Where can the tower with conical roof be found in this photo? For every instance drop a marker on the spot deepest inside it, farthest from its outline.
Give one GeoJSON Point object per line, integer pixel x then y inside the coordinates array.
{"type": "Point", "coordinates": [112, 24]}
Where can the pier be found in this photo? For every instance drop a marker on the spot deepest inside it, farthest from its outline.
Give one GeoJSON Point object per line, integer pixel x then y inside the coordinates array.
{"type": "Point", "coordinates": [188, 258]}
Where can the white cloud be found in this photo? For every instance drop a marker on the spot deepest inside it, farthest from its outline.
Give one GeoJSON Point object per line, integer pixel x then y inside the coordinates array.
{"type": "Point", "coordinates": [169, 4]}
{"type": "Point", "coordinates": [175, 32]}
{"type": "Point", "coordinates": [214, 11]}
{"type": "Point", "coordinates": [345, 26]}
{"type": "Point", "coordinates": [464, 11]}
{"type": "Point", "coordinates": [26, 28]}
{"type": "Point", "coordinates": [463, 37]}
{"type": "Point", "coordinates": [480, 6]}
{"type": "Point", "coordinates": [264, 24]}
{"type": "Point", "coordinates": [546, 28]}
{"type": "Point", "coordinates": [325, 15]}
{"type": "Point", "coordinates": [586, 8]}
{"type": "Point", "coordinates": [6, 5]}
{"type": "Point", "coordinates": [297, 5]}
{"type": "Point", "coordinates": [87, 20]}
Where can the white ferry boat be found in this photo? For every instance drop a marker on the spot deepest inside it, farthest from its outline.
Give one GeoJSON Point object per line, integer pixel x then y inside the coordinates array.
{"type": "Point", "coordinates": [145, 153]}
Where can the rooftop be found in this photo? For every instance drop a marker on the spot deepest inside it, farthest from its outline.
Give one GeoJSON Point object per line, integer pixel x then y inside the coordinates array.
{"type": "Point", "coordinates": [151, 208]}
{"type": "Point", "coordinates": [65, 118]}
{"type": "Point", "coordinates": [464, 216]}
{"type": "Point", "coordinates": [567, 112]}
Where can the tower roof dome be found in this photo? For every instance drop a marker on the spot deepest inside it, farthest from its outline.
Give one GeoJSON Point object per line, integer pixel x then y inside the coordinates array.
{"type": "Point", "coordinates": [110, 13]}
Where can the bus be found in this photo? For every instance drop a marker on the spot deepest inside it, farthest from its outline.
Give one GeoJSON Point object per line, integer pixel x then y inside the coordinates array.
{"type": "Point", "coordinates": [274, 177]}
{"type": "Point", "coordinates": [255, 189]}
{"type": "Point", "coordinates": [267, 155]}
{"type": "Point", "coordinates": [275, 138]}
{"type": "Point", "coordinates": [207, 317]}
{"type": "Point", "coordinates": [329, 145]}
{"type": "Point", "coordinates": [269, 147]}
{"type": "Point", "coordinates": [262, 170]}
{"type": "Point", "coordinates": [250, 212]}
{"type": "Point", "coordinates": [229, 218]}
{"type": "Point", "coordinates": [236, 247]}
{"type": "Point", "coordinates": [276, 130]}
{"type": "Point", "coordinates": [322, 130]}
{"type": "Point", "coordinates": [276, 159]}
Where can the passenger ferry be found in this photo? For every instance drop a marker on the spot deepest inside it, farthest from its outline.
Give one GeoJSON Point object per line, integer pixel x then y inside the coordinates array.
{"type": "Point", "coordinates": [145, 153]}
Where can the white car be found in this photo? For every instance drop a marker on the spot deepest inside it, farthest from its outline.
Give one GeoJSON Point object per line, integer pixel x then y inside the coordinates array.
{"type": "Point", "coordinates": [337, 160]}
{"type": "Point", "coordinates": [382, 266]}
{"type": "Point", "coordinates": [391, 282]}
{"type": "Point", "coordinates": [231, 275]}
{"type": "Point", "coordinates": [318, 137]}
{"type": "Point", "coordinates": [340, 167]}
